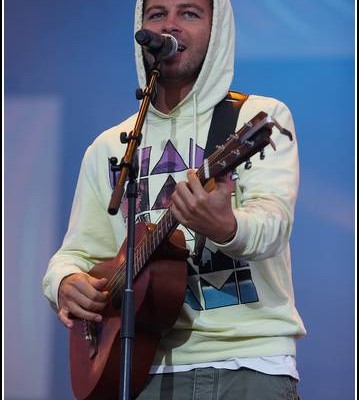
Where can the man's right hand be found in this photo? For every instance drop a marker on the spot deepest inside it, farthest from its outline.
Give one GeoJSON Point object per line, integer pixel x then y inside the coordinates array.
{"type": "Point", "coordinates": [81, 296]}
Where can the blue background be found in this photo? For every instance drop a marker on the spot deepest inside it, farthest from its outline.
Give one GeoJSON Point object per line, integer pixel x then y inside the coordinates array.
{"type": "Point", "coordinates": [78, 55]}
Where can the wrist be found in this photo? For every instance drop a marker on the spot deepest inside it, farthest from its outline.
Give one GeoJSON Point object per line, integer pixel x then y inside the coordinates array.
{"type": "Point", "coordinates": [230, 236]}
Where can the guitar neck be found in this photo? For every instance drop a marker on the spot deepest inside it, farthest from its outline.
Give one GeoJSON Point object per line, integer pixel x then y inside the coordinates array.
{"type": "Point", "coordinates": [166, 225]}
{"type": "Point", "coordinates": [150, 243]}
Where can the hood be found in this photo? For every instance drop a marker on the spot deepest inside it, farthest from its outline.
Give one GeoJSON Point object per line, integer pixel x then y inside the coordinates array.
{"type": "Point", "coordinates": [216, 74]}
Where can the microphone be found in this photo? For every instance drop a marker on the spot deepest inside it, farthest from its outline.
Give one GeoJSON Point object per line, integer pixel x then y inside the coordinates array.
{"type": "Point", "coordinates": [159, 45]}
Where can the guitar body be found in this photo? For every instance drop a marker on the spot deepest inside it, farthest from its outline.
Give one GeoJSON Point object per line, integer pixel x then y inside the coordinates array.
{"type": "Point", "coordinates": [95, 348]}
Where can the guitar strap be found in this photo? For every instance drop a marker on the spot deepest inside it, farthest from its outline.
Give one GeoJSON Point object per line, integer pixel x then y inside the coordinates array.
{"type": "Point", "coordinates": [223, 124]}
{"type": "Point", "coordinates": [224, 120]}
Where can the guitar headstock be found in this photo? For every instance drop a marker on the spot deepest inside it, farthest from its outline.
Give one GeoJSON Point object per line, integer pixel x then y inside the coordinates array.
{"type": "Point", "coordinates": [252, 138]}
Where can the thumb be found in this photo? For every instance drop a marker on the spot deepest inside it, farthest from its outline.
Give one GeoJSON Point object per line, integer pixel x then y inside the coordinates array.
{"type": "Point", "coordinates": [224, 183]}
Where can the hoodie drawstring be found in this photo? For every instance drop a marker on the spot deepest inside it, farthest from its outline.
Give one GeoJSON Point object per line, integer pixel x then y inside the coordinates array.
{"type": "Point", "coordinates": [195, 130]}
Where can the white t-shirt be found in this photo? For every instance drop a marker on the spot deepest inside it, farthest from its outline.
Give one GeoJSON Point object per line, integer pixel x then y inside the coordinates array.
{"type": "Point", "coordinates": [274, 365]}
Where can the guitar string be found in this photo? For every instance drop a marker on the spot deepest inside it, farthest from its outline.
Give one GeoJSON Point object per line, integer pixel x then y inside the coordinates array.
{"type": "Point", "coordinates": [118, 278]}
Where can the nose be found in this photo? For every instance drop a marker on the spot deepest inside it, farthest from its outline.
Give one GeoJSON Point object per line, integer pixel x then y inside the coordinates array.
{"type": "Point", "coordinates": [171, 24]}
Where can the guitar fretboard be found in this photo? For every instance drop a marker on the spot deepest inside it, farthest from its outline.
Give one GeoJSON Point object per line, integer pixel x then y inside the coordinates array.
{"type": "Point", "coordinates": [166, 225]}
{"type": "Point", "coordinates": [153, 239]}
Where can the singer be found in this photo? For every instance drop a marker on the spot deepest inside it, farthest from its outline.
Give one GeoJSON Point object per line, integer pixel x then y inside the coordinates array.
{"type": "Point", "coordinates": [235, 335]}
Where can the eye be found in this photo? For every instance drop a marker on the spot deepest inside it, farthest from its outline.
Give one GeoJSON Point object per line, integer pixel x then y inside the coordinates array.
{"type": "Point", "coordinates": [155, 16]}
{"type": "Point", "coordinates": [190, 15]}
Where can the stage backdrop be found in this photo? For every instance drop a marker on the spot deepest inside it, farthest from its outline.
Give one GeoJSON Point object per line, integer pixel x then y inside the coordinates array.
{"type": "Point", "coordinates": [69, 74]}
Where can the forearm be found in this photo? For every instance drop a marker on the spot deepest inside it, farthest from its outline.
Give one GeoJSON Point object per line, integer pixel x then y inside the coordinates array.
{"type": "Point", "coordinates": [263, 230]}
{"type": "Point", "coordinates": [266, 196]}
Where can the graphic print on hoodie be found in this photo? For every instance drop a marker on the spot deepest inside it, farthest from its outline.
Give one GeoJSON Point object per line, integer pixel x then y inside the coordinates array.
{"type": "Point", "coordinates": [215, 280]}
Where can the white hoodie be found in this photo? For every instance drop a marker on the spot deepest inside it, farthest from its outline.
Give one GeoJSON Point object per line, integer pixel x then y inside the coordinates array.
{"type": "Point", "coordinates": [241, 306]}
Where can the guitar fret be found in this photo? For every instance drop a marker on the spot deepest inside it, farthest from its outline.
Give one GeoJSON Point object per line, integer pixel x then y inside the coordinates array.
{"type": "Point", "coordinates": [140, 261]}
{"type": "Point", "coordinates": [161, 228]}
{"type": "Point", "coordinates": [135, 265]}
{"type": "Point", "coordinates": [147, 251]}
{"type": "Point", "coordinates": [168, 220]}
{"type": "Point", "coordinates": [151, 245]}
{"type": "Point", "coordinates": [143, 256]}
{"type": "Point", "coordinates": [157, 238]}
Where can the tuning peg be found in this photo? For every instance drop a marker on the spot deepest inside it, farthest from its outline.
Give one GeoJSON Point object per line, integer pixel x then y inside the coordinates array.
{"type": "Point", "coordinates": [272, 144]}
{"type": "Point", "coordinates": [262, 155]}
{"type": "Point", "coordinates": [234, 175]}
{"type": "Point", "coordinates": [248, 164]}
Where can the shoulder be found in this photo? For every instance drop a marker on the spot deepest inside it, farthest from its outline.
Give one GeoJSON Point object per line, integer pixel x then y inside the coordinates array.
{"type": "Point", "coordinates": [111, 138]}
{"type": "Point", "coordinates": [107, 144]}
{"type": "Point", "coordinates": [267, 104]}
{"type": "Point", "coordinates": [114, 132]}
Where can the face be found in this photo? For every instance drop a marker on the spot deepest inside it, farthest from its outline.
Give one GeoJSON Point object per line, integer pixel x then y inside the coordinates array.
{"type": "Point", "coordinates": [190, 23]}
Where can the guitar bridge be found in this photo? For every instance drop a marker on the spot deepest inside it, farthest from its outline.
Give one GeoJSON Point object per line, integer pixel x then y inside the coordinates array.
{"type": "Point", "coordinates": [90, 335]}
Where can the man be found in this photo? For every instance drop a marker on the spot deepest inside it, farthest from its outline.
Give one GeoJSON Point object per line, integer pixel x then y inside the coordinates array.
{"type": "Point", "coordinates": [235, 335]}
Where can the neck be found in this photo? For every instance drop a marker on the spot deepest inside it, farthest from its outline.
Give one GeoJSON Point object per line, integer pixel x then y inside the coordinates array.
{"type": "Point", "coordinates": [169, 94]}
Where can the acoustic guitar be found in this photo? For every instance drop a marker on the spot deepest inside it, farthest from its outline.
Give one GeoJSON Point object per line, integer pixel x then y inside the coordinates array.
{"type": "Point", "coordinates": [160, 277]}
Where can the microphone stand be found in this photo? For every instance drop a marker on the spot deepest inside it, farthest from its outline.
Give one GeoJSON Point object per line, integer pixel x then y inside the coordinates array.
{"type": "Point", "coordinates": [128, 167]}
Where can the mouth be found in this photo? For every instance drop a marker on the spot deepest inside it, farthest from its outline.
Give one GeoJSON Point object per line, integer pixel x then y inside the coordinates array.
{"type": "Point", "coordinates": [181, 48]}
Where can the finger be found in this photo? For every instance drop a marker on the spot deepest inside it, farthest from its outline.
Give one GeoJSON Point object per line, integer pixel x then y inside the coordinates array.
{"type": "Point", "coordinates": [88, 303]}
{"type": "Point", "coordinates": [223, 185]}
{"type": "Point", "coordinates": [178, 202]}
{"type": "Point", "coordinates": [75, 310]}
{"type": "Point", "coordinates": [85, 314]}
{"type": "Point", "coordinates": [87, 289]}
{"type": "Point", "coordinates": [182, 198]}
{"type": "Point", "coordinates": [98, 283]}
{"type": "Point", "coordinates": [178, 215]}
{"type": "Point", "coordinates": [195, 184]}
{"type": "Point", "coordinates": [64, 316]}
{"type": "Point", "coordinates": [222, 178]}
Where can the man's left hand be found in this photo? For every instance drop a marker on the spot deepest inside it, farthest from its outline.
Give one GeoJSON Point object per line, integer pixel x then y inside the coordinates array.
{"type": "Point", "coordinates": [208, 213]}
